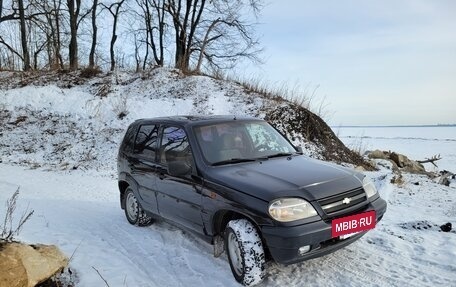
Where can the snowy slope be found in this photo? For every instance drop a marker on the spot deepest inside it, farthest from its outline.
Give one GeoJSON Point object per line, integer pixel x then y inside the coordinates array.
{"type": "Point", "coordinates": [80, 126]}
{"type": "Point", "coordinates": [59, 143]}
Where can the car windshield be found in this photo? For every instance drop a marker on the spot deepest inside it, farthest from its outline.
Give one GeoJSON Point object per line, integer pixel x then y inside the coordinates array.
{"type": "Point", "coordinates": [241, 141]}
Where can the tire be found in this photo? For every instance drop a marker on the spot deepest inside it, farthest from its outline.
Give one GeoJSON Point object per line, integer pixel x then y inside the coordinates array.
{"type": "Point", "coordinates": [133, 210]}
{"type": "Point", "coordinates": [245, 252]}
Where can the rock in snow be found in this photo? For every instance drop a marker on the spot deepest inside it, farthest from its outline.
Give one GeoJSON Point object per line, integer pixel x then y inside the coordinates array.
{"type": "Point", "coordinates": [28, 265]}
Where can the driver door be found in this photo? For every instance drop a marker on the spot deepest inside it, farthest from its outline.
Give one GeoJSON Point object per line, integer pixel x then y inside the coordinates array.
{"type": "Point", "coordinates": [178, 197]}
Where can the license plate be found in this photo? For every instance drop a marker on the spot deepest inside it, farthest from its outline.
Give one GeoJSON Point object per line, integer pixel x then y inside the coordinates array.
{"type": "Point", "coordinates": [350, 225]}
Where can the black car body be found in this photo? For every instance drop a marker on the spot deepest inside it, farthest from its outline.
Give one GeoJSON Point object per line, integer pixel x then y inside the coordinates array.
{"type": "Point", "coordinates": [174, 173]}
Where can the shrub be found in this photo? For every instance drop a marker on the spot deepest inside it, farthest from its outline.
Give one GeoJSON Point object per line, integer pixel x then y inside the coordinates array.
{"type": "Point", "coordinates": [90, 72]}
{"type": "Point", "coordinates": [7, 230]}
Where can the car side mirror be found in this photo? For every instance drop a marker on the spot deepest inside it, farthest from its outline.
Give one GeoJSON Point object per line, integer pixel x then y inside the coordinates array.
{"type": "Point", "coordinates": [178, 168]}
{"type": "Point", "coordinates": [299, 149]}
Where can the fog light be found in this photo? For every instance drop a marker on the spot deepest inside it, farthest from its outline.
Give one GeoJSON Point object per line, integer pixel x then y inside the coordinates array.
{"type": "Point", "coordinates": [304, 249]}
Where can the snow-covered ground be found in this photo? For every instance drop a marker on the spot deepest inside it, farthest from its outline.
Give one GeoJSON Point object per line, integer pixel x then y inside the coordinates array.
{"type": "Point", "coordinates": [58, 145]}
{"type": "Point", "coordinates": [417, 143]}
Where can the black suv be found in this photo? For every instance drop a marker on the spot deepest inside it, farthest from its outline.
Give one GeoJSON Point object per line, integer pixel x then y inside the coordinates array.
{"type": "Point", "coordinates": [245, 188]}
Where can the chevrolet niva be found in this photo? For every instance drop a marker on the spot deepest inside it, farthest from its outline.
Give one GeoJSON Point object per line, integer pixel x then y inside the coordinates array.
{"type": "Point", "coordinates": [242, 186]}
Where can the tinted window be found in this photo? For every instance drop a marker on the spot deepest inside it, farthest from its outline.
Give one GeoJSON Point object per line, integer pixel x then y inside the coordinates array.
{"type": "Point", "coordinates": [127, 143]}
{"type": "Point", "coordinates": [175, 146]}
{"type": "Point", "coordinates": [146, 141]}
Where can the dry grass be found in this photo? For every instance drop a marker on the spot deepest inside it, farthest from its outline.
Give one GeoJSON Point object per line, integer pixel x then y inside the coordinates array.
{"type": "Point", "coordinates": [304, 96]}
{"type": "Point", "coordinates": [7, 230]}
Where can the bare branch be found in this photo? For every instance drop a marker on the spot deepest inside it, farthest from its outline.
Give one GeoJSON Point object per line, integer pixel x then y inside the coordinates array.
{"type": "Point", "coordinates": [10, 48]}
{"type": "Point", "coordinates": [431, 160]}
{"type": "Point", "coordinates": [99, 274]}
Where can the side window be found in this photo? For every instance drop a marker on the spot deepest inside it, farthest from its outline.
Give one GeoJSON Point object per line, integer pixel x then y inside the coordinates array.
{"type": "Point", "coordinates": [146, 141]}
{"type": "Point", "coordinates": [128, 140]}
{"type": "Point", "coordinates": [175, 146]}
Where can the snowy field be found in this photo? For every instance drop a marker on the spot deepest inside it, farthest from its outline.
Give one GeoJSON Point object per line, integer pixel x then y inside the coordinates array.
{"type": "Point", "coordinates": [417, 143]}
{"type": "Point", "coordinates": [58, 145]}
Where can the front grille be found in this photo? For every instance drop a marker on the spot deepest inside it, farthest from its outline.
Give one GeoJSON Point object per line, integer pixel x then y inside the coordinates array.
{"type": "Point", "coordinates": [346, 202]}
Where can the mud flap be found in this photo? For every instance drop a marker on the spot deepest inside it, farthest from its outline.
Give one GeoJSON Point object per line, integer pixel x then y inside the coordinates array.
{"type": "Point", "coordinates": [219, 246]}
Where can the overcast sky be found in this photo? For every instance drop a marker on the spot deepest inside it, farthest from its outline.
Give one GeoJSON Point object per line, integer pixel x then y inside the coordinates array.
{"type": "Point", "coordinates": [376, 62]}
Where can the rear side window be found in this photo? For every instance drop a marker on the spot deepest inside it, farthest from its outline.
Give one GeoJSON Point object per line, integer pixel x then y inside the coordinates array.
{"type": "Point", "coordinates": [146, 141]}
{"type": "Point", "coordinates": [128, 140]}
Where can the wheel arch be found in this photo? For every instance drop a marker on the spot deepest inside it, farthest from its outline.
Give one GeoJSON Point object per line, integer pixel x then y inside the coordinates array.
{"type": "Point", "coordinates": [124, 182]}
{"type": "Point", "coordinates": [123, 185]}
{"type": "Point", "coordinates": [222, 217]}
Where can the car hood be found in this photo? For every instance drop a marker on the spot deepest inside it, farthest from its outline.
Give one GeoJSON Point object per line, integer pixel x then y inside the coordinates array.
{"type": "Point", "coordinates": [297, 176]}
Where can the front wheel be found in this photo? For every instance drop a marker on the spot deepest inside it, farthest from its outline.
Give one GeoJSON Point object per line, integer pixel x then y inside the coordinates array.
{"type": "Point", "coordinates": [133, 210]}
{"type": "Point", "coordinates": [245, 252]}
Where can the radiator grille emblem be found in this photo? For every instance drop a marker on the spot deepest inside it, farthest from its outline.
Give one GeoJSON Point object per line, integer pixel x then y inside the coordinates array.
{"type": "Point", "coordinates": [346, 200]}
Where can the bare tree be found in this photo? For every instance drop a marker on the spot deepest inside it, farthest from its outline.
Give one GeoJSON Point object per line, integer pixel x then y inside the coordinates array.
{"type": "Point", "coordinates": [9, 13]}
{"type": "Point", "coordinates": [27, 18]}
{"type": "Point", "coordinates": [159, 6]}
{"type": "Point", "coordinates": [25, 53]}
{"type": "Point", "coordinates": [114, 10]}
{"type": "Point", "coordinates": [74, 11]}
{"type": "Point", "coordinates": [74, 8]}
{"type": "Point", "coordinates": [94, 34]}
{"type": "Point", "coordinates": [57, 4]}
{"type": "Point", "coordinates": [201, 34]}
{"type": "Point", "coordinates": [228, 38]}
{"type": "Point", "coordinates": [137, 56]}
{"type": "Point", "coordinates": [46, 27]}
{"type": "Point", "coordinates": [153, 17]}
{"type": "Point", "coordinates": [186, 18]}
{"type": "Point", "coordinates": [215, 31]}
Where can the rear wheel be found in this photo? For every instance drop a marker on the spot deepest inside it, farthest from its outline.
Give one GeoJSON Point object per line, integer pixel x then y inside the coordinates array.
{"type": "Point", "coordinates": [245, 252]}
{"type": "Point", "coordinates": [133, 210]}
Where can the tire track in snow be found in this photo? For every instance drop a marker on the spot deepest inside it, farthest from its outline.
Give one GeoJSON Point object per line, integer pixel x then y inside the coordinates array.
{"type": "Point", "coordinates": [129, 242]}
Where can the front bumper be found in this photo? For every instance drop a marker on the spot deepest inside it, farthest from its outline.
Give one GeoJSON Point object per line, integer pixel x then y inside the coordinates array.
{"type": "Point", "coordinates": [284, 242]}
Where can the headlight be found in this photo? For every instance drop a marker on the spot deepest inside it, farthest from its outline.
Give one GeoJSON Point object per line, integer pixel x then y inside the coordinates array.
{"type": "Point", "coordinates": [290, 209]}
{"type": "Point", "coordinates": [369, 187]}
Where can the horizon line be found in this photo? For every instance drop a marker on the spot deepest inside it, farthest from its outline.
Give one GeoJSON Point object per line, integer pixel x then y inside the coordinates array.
{"type": "Point", "coordinates": [393, 126]}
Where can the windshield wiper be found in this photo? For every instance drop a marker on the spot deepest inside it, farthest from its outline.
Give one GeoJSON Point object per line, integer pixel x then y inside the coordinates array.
{"type": "Point", "coordinates": [232, 160]}
{"type": "Point", "coordinates": [280, 154]}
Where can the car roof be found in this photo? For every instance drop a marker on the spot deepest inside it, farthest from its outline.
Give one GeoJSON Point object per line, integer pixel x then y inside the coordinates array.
{"type": "Point", "coordinates": [195, 120]}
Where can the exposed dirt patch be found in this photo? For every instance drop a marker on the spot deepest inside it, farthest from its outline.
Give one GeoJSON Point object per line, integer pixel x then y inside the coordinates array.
{"type": "Point", "coordinates": [298, 122]}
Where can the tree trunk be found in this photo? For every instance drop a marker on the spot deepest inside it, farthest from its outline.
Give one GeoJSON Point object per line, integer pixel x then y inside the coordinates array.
{"type": "Point", "coordinates": [161, 30]}
{"type": "Point", "coordinates": [204, 44]}
{"type": "Point", "coordinates": [73, 9]}
{"type": "Point", "coordinates": [115, 15]}
{"type": "Point", "coordinates": [180, 27]}
{"type": "Point", "coordinates": [111, 50]}
{"type": "Point", "coordinates": [57, 43]}
{"type": "Point", "coordinates": [25, 52]}
{"type": "Point", "coordinates": [114, 29]}
{"type": "Point", "coordinates": [94, 35]}
{"type": "Point", "coordinates": [196, 18]}
{"type": "Point", "coordinates": [149, 19]}
{"type": "Point", "coordinates": [137, 57]}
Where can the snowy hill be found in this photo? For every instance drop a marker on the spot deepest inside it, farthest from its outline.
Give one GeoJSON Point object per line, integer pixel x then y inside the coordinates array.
{"type": "Point", "coordinates": [78, 123]}
{"type": "Point", "coordinates": [59, 135]}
